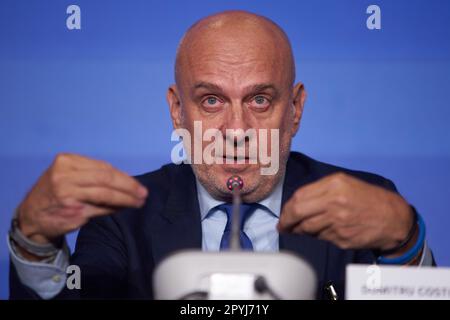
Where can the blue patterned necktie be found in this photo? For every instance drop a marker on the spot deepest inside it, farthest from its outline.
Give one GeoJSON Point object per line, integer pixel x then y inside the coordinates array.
{"type": "Point", "coordinates": [245, 211]}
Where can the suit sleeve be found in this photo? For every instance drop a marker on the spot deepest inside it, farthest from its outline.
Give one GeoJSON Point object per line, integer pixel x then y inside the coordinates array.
{"type": "Point", "coordinates": [101, 257]}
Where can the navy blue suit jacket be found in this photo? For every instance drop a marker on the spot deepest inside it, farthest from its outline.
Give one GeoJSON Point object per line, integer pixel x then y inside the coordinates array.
{"type": "Point", "coordinates": [118, 253]}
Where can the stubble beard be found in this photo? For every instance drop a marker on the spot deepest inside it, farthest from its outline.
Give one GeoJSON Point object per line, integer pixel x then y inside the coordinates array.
{"type": "Point", "coordinates": [254, 190]}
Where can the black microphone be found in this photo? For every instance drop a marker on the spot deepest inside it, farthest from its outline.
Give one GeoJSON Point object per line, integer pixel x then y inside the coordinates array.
{"type": "Point", "coordinates": [235, 184]}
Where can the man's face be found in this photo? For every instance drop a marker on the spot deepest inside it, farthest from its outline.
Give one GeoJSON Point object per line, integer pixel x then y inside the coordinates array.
{"type": "Point", "coordinates": [228, 83]}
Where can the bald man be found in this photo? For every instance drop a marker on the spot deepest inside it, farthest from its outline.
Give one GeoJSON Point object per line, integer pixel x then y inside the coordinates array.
{"type": "Point", "coordinates": [234, 70]}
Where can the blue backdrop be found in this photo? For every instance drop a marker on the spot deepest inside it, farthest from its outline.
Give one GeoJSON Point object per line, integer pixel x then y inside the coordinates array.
{"type": "Point", "coordinates": [378, 99]}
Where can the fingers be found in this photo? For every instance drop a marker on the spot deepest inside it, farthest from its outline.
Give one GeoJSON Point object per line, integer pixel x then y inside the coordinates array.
{"type": "Point", "coordinates": [312, 191]}
{"type": "Point", "coordinates": [344, 238]}
{"type": "Point", "coordinates": [323, 227]}
{"type": "Point", "coordinates": [314, 225]}
{"type": "Point", "coordinates": [314, 199]}
{"type": "Point", "coordinates": [328, 234]}
{"type": "Point", "coordinates": [89, 181]}
{"type": "Point", "coordinates": [110, 178]}
{"type": "Point", "coordinates": [94, 211]}
{"type": "Point", "coordinates": [322, 187]}
{"type": "Point", "coordinates": [305, 203]}
{"type": "Point", "coordinates": [70, 161]}
{"type": "Point", "coordinates": [74, 189]}
{"type": "Point", "coordinates": [348, 212]}
{"type": "Point", "coordinates": [95, 185]}
{"type": "Point", "coordinates": [295, 213]}
{"type": "Point", "coordinates": [75, 162]}
{"type": "Point", "coordinates": [107, 197]}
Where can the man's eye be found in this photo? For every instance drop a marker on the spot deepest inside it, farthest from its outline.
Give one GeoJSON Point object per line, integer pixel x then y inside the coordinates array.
{"type": "Point", "coordinates": [212, 102]}
{"type": "Point", "coordinates": [260, 102]}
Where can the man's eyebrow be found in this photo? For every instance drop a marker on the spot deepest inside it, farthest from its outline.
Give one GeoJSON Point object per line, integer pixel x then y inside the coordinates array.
{"type": "Point", "coordinates": [207, 85]}
{"type": "Point", "coordinates": [250, 89]}
{"type": "Point", "coordinates": [260, 87]}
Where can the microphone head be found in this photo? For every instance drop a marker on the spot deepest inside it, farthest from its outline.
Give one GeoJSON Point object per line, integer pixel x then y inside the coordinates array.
{"type": "Point", "coordinates": [234, 182]}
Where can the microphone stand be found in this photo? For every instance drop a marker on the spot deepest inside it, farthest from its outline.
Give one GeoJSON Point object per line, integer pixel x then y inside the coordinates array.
{"type": "Point", "coordinates": [235, 243]}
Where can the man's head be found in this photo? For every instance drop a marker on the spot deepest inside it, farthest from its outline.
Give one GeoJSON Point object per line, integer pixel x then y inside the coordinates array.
{"type": "Point", "coordinates": [235, 70]}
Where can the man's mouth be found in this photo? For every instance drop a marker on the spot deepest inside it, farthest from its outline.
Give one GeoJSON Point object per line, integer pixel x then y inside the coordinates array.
{"type": "Point", "coordinates": [234, 159]}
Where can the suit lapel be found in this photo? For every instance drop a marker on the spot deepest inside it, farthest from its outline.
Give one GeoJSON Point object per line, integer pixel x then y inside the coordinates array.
{"type": "Point", "coordinates": [311, 249]}
{"type": "Point", "coordinates": [178, 224]}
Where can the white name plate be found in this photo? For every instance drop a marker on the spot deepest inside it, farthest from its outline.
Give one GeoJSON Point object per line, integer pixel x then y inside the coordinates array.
{"type": "Point", "coordinates": [374, 282]}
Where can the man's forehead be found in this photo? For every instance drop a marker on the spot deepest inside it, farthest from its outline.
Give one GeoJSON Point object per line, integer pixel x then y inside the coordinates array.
{"type": "Point", "coordinates": [217, 70]}
{"type": "Point", "coordinates": [229, 82]}
{"type": "Point", "coordinates": [214, 72]}
{"type": "Point", "coordinates": [243, 51]}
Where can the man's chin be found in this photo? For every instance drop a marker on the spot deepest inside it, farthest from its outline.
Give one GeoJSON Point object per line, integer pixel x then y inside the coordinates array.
{"type": "Point", "coordinates": [249, 173]}
{"type": "Point", "coordinates": [214, 179]}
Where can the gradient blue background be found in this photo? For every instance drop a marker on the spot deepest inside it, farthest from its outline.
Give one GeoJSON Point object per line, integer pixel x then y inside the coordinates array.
{"type": "Point", "coordinates": [377, 100]}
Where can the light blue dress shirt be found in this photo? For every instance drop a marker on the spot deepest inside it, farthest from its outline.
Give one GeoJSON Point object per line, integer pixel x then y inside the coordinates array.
{"type": "Point", "coordinates": [260, 227]}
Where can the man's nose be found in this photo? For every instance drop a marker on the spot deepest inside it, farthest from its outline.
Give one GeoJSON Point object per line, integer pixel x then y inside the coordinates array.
{"type": "Point", "coordinates": [236, 118]}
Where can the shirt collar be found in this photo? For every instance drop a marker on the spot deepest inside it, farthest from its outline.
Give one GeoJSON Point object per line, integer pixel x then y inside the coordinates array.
{"type": "Point", "coordinates": [272, 202]}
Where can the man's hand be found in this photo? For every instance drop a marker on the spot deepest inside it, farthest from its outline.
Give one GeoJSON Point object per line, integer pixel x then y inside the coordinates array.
{"type": "Point", "coordinates": [73, 190]}
{"type": "Point", "coordinates": [349, 212]}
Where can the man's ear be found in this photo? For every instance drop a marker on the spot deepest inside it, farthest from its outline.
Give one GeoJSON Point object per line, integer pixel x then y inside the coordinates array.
{"type": "Point", "coordinates": [299, 98]}
{"type": "Point", "coordinates": [174, 101]}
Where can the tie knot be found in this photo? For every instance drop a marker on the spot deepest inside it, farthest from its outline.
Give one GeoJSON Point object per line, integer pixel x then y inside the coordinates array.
{"type": "Point", "coordinates": [245, 211]}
